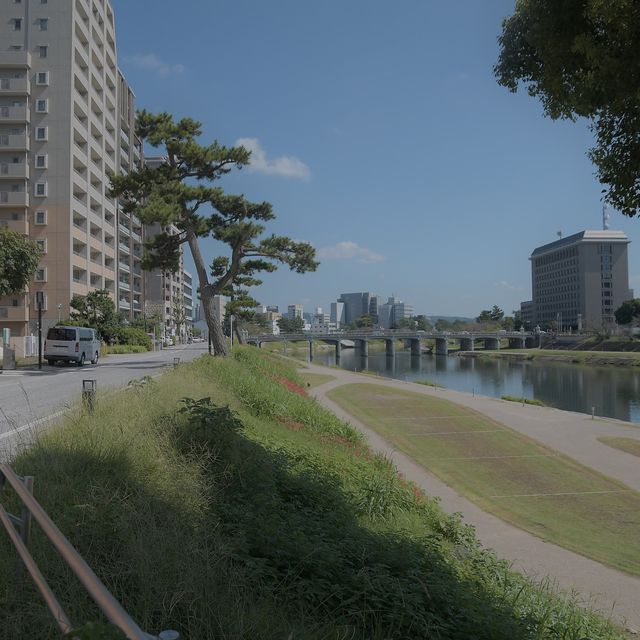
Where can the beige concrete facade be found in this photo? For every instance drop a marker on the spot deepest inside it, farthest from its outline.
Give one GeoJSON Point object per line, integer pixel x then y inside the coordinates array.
{"type": "Point", "coordinates": [579, 281]}
{"type": "Point", "coordinates": [62, 118]}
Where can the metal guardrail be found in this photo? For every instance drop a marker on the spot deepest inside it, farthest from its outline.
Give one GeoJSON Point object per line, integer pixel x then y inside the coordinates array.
{"type": "Point", "coordinates": [111, 608]}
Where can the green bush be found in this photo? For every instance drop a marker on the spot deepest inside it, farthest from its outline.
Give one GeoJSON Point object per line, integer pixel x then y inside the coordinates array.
{"type": "Point", "coordinates": [125, 348]}
{"type": "Point", "coordinates": [132, 335]}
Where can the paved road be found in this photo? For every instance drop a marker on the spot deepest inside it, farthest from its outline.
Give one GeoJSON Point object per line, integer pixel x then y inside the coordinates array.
{"type": "Point", "coordinates": [608, 590]}
{"type": "Point", "coordinates": [28, 396]}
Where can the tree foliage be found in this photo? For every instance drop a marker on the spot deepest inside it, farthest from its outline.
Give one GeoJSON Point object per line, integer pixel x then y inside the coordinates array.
{"type": "Point", "coordinates": [19, 258]}
{"type": "Point", "coordinates": [180, 192]}
{"type": "Point", "coordinates": [364, 321]}
{"type": "Point", "coordinates": [291, 325]}
{"type": "Point", "coordinates": [580, 58]}
{"type": "Point", "coordinates": [628, 311]}
{"type": "Point", "coordinates": [98, 310]}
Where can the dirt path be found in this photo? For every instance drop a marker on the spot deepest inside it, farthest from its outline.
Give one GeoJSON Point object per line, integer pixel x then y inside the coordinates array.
{"type": "Point", "coordinates": [607, 590]}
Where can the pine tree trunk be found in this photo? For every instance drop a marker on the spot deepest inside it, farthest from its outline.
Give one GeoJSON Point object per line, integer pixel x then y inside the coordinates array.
{"type": "Point", "coordinates": [206, 295]}
{"type": "Point", "coordinates": [239, 337]}
{"type": "Point", "coordinates": [215, 328]}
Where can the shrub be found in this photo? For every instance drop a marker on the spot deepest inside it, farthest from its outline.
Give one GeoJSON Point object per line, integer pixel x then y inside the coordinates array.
{"type": "Point", "coordinates": [132, 335]}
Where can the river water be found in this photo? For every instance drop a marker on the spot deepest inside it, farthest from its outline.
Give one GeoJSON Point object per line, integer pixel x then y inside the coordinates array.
{"type": "Point", "coordinates": [613, 391]}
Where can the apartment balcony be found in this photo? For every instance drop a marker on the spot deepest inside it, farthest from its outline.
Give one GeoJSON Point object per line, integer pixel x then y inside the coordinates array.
{"type": "Point", "coordinates": [123, 266]}
{"type": "Point", "coordinates": [14, 142]}
{"type": "Point", "coordinates": [14, 87]}
{"type": "Point", "coordinates": [123, 303]}
{"type": "Point", "coordinates": [123, 248]}
{"type": "Point", "coordinates": [14, 314]}
{"type": "Point", "coordinates": [15, 59]}
{"type": "Point", "coordinates": [12, 115]}
{"type": "Point", "coordinates": [13, 170]}
{"type": "Point", "coordinates": [14, 199]}
{"type": "Point", "coordinates": [136, 236]}
{"type": "Point", "coordinates": [19, 226]}
{"type": "Point", "coordinates": [124, 285]}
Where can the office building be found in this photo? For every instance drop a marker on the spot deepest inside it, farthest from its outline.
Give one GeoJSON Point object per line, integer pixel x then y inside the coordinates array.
{"type": "Point", "coordinates": [295, 311]}
{"type": "Point", "coordinates": [336, 315]}
{"type": "Point", "coordinates": [357, 305]}
{"type": "Point", "coordinates": [66, 118]}
{"type": "Point", "coordinates": [392, 312]}
{"type": "Point", "coordinates": [579, 281]}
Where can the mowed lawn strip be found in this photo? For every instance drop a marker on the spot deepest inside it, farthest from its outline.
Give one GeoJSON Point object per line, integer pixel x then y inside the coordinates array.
{"type": "Point", "coordinates": [316, 379]}
{"type": "Point", "coordinates": [506, 473]}
{"type": "Point", "coordinates": [629, 445]}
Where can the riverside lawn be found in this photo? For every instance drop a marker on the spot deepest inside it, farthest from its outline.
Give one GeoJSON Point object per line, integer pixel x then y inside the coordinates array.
{"type": "Point", "coordinates": [505, 472]}
{"type": "Point", "coordinates": [270, 519]}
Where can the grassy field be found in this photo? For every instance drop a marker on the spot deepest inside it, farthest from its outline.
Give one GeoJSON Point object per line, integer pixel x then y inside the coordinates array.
{"type": "Point", "coordinates": [220, 501]}
{"type": "Point", "coordinates": [315, 379]}
{"type": "Point", "coordinates": [630, 445]}
{"type": "Point", "coordinates": [577, 357]}
{"type": "Point", "coordinates": [505, 472]}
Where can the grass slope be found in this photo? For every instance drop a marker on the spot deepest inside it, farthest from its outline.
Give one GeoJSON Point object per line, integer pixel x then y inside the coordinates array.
{"type": "Point", "coordinates": [506, 473]}
{"type": "Point", "coordinates": [630, 445]}
{"type": "Point", "coordinates": [250, 512]}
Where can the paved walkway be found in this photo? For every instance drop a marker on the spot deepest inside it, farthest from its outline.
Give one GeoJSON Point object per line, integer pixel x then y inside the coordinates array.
{"type": "Point", "coordinates": [607, 590]}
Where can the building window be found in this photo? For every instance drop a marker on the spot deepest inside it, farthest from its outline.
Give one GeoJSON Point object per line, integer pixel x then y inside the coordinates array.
{"type": "Point", "coordinates": [41, 189]}
{"type": "Point", "coordinates": [42, 161]}
{"type": "Point", "coordinates": [43, 50]}
{"type": "Point", "coordinates": [44, 24]}
{"type": "Point", "coordinates": [42, 245]}
{"type": "Point", "coordinates": [41, 275]}
{"type": "Point", "coordinates": [42, 78]}
{"type": "Point", "coordinates": [42, 133]}
{"type": "Point", "coordinates": [42, 106]}
{"type": "Point", "coordinates": [17, 24]}
{"type": "Point", "coordinates": [40, 217]}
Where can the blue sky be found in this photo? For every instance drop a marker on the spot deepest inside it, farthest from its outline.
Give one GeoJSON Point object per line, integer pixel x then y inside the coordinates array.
{"type": "Point", "coordinates": [379, 135]}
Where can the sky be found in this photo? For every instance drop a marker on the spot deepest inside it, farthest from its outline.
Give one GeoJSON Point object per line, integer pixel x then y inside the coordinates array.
{"type": "Point", "coordinates": [380, 136]}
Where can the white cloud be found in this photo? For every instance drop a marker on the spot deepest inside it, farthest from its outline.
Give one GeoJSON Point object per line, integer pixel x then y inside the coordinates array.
{"type": "Point", "coordinates": [349, 250]}
{"type": "Point", "coordinates": [287, 166]}
{"type": "Point", "coordinates": [151, 62]}
{"type": "Point", "coordinates": [503, 284]}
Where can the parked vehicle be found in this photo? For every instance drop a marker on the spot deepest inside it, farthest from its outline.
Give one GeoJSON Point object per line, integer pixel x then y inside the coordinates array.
{"type": "Point", "coordinates": [72, 344]}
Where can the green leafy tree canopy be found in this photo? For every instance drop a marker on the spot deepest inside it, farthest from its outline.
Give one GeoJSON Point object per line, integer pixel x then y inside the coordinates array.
{"type": "Point", "coordinates": [98, 310]}
{"type": "Point", "coordinates": [19, 258]}
{"type": "Point", "coordinates": [628, 311]}
{"type": "Point", "coordinates": [580, 58]}
{"type": "Point", "coordinates": [180, 192]}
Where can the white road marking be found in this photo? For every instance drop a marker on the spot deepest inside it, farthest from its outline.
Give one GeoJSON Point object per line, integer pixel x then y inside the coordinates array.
{"type": "Point", "coordinates": [568, 493]}
{"type": "Point", "coordinates": [456, 433]}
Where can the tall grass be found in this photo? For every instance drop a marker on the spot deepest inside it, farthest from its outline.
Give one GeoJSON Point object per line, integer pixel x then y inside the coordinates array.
{"type": "Point", "coordinates": [219, 502]}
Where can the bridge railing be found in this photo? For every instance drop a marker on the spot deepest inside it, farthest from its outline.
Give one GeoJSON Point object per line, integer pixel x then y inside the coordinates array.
{"type": "Point", "coordinates": [112, 609]}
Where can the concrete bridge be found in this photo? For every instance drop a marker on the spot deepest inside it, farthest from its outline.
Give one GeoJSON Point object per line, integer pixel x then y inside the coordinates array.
{"type": "Point", "coordinates": [361, 338]}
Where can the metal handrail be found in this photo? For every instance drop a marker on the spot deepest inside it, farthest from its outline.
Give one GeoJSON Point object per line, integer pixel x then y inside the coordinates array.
{"type": "Point", "coordinates": [112, 609]}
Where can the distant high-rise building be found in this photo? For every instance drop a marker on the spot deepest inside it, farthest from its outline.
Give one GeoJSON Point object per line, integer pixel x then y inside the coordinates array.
{"type": "Point", "coordinates": [579, 281]}
{"type": "Point", "coordinates": [337, 314]}
{"type": "Point", "coordinates": [294, 311]}
{"type": "Point", "coordinates": [392, 311]}
{"type": "Point", "coordinates": [357, 305]}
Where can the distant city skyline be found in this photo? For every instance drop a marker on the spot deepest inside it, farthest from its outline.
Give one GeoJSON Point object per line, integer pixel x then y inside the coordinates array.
{"type": "Point", "coordinates": [393, 150]}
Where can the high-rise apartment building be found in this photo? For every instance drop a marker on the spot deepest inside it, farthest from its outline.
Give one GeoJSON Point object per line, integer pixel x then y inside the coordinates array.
{"type": "Point", "coordinates": [294, 311]}
{"type": "Point", "coordinates": [579, 281]}
{"type": "Point", "coordinates": [392, 312]}
{"type": "Point", "coordinates": [66, 119]}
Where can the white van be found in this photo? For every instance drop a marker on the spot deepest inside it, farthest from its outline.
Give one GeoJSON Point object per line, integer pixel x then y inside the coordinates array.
{"type": "Point", "coordinates": [73, 344]}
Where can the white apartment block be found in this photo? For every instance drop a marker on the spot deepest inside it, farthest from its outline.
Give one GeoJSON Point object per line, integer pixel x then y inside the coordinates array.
{"type": "Point", "coordinates": [66, 120]}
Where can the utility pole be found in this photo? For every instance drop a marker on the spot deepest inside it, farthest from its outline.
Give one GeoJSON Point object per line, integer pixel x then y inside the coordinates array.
{"type": "Point", "coordinates": [39, 302]}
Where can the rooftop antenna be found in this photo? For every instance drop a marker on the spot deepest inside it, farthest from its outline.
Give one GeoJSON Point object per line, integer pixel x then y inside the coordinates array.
{"type": "Point", "coordinates": [605, 217]}
{"type": "Point", "coordinates": [559, 234]}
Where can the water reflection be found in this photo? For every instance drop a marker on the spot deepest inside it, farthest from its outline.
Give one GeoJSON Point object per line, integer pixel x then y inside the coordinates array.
{"type": "Point", "coordinates": [614, 392]}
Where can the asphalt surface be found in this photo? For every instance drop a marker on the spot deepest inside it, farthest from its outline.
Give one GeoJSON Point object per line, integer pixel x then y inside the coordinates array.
{"type": "Point", "coordinates": [30, 398]}
{"type": "Point", "coordinates": [607, 590]}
